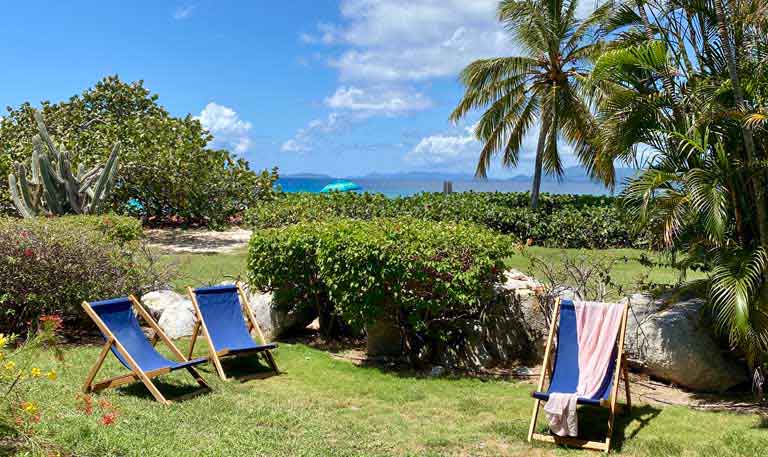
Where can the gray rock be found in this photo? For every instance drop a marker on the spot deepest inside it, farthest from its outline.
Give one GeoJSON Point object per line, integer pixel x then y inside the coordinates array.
{"type": "Point", "coordinates": [158, 301]}
{"type": "Point", "coordinates": [437, 371]}
{"type": "Point", "coordinates": [672, 340]}
{"type": "Point", "coordinates": [501, 337]}
{"type": "Point", "coordinates": [177, 322]}
{"type": "Point", "coordinates": [274, 320]}
{"type": "Point", "coordinates": [173, 312]}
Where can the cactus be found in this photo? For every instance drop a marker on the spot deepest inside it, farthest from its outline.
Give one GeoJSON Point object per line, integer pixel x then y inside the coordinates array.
{"type": "Point", "coordinates": [52, 188]}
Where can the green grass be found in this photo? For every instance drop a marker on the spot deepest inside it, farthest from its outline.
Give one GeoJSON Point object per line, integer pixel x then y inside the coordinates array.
{"type": "Point", "coordinates": [203, 269]}
{"type": "Point", "coordinates": [322, 406]}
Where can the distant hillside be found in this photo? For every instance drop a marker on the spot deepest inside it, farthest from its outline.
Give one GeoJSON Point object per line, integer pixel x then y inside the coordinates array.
{"type": "Point", "coordinates": [572, 174]}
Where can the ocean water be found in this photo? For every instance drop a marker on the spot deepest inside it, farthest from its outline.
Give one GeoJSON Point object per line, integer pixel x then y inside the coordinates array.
{"type": "Point", "coordinates": [398, 187]}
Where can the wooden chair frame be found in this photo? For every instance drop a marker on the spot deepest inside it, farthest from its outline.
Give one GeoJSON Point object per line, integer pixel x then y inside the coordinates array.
{"type": "Point", "coordinates": [611, 403]}
{"type": "Point", "coordinates": [138, 374]}
{"type": "Point", "coordinates": [217, 356]}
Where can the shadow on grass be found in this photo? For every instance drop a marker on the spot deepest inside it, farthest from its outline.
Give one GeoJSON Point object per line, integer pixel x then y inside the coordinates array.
{"type": "Point", "coordinates": [247, 367]}
{"type": "Point", "coordinates": [171, 391]}
{"type": "Point", "coordinates": [593, 423]}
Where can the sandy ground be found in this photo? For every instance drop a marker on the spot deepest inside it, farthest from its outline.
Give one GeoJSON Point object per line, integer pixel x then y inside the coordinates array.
{"type": "Point", "coordinates": [198, 240]}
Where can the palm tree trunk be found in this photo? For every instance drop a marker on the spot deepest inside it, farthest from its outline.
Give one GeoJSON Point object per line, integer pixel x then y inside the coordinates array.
{"type": "Point", "coordinates": [536, 185]}
{"type": "Point", "coordinates": [738, 95]}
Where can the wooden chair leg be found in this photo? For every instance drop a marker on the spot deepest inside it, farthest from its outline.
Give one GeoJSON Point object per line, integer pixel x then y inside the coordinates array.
{"type": "Point", "coordinates": [626, 387]}
{"type": "Point", "coordinates": [87, 387]}
{"type": "Point", "coordinates": [534, 419]}
{"type": "Point", "coordinates": [271, 361]}
{"type": "Point", "coordinates": [611, 417]}
{"type": "Point", "coordinates": [195, 331]}
{"type": "Point", "coordinates": [195, 374]}
{"type": "Point", "coordinates": [217, 363]}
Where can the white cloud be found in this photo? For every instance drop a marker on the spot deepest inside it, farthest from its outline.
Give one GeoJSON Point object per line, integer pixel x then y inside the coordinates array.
{"type": "Point", "coordinates": [377, 100]}
{"type": "Point", "coordinates": [183, 12]}
{"type": "Point", "coordinates": [446, 150]}
{"type": "Point", "coordinates": [305, 137]}
{"type": "Point", "coordinates": [226, 126]}
{"type": "Point", "coordinates": [459, 152]}
{"type": "Point", "coordinates": [396, 40]}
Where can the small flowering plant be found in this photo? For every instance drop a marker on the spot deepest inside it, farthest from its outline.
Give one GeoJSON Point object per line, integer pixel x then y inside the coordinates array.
{"type": "Point", "coordinates": [20, 374]}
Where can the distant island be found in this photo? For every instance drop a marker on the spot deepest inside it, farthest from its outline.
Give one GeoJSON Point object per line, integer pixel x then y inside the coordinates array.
{"type": "Point", "coordinates": [572, 174]}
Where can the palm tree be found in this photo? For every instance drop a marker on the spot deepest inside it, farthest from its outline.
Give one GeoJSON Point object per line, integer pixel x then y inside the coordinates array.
{"type": "Point", "coordinates": [542, 84]}
{"type": "Point", "coordinates": [704, 120]}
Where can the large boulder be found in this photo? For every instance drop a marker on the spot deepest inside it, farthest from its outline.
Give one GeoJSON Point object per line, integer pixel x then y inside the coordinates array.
{"type": "Point", "coordinates": [672, 340]}
{"type": "Point", "coordinates": [501, 337]}
{"type": "Point", "coordinates": [275, 320]}
{"type": "Point", "coordinates": [174, 312]}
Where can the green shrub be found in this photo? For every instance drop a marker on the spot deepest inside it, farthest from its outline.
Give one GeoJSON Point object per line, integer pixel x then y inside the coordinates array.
{"type": "Point", "coordinates": [564, 221]}
{"type": "Point", "coordinates": [169, 172]}
{"type": "Point", "coordinates": [49, 268]}
{"type": "Point", "coordinates": [284, 261]}
{"type": "Point", "coordinates": [428, 277]}
{"type": "Point", "coordinates": [120, 229]}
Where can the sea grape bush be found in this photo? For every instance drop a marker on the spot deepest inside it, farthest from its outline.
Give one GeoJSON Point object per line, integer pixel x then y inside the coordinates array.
{"type": "Point", "coordinates": [425, 276]}
{"type": "Point", "coordinates": [564, 221]}
{"type": "Point", "coordinates": [46, 267]}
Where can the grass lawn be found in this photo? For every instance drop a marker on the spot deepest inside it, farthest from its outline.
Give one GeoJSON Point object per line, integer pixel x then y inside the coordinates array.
{"type": "Point", "coordinates": [321, 406]}
{"type": "Point", "coordinates": [203, 269]}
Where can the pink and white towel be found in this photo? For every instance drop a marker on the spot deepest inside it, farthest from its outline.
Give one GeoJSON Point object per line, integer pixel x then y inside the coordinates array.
{"type": "Point", "coordinates": [597, 325]}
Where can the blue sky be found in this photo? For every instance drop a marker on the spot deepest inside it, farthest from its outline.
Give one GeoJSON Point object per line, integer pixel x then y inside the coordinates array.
{"type": "Point", "coordinates": [337, 87]}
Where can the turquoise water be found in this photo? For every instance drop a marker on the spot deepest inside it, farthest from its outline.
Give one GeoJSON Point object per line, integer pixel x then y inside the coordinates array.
{"type": "Point", "coordinates": [405, 187]}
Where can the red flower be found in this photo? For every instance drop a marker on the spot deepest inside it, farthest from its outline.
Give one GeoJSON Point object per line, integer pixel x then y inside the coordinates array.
{"type": "Point", "coordinates": [109, 418]}
{"type": "Point", "coordinates": [28, 252]}
{"type": "Point", "coordinates": [51, 322]}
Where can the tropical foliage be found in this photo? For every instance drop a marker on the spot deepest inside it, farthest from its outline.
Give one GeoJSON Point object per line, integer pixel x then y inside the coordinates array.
{"type": "Point", "coordinates": [682, 85]}
{"type": "Point", "coordinates": [542, 87]}
{"type": "Point", "coordinates": [565, 221]}
{"type": "Point", "coordinates": [431, 278]}
{"type": "Point", "coordinates": [168, 171]}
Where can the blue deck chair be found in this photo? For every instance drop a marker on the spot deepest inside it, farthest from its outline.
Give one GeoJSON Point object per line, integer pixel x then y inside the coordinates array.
{"type": "Point", "coordinates": [219, 315]}
{"type": "Point", "coordinates": [564, 376]}
{"type": "Point", "coordinates": [120, 328]}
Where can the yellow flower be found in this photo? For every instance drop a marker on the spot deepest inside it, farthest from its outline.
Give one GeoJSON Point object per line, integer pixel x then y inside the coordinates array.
{"type": "Point", "coordinates": [10, 365]}
{"type": "Point", "coordinates": [52, 375]}
{"type": "Point", "coordinates": [29, 407]}
{"type": "Point", "coordinates": [3, 340]}
{"type": "Point", "coordinates": [35, 372]}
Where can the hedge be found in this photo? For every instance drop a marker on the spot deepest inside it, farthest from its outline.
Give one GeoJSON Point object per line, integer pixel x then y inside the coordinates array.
{"type": "Point", "coordinates": [562, 221]}
{"type": "Point", "coordinates": [48, 268]}
{"type": "Point", "coordinates": [425, 276]}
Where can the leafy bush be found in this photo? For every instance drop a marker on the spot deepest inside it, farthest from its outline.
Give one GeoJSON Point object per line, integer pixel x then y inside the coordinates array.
{"type": "Point", "coordinates": [120, 229]}
{"type": "Point", "coordinates": [426, 276]}
{"type": "Point", "coordinates": [168, 171]}
{"type": "Point", "coordinates": [565, 221]}
{"type": "Point", "coordinates": [46, 267]}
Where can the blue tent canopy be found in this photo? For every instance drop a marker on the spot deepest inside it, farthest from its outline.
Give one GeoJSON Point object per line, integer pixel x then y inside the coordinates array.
{"type": "Point", "coordinates": [341, 186]}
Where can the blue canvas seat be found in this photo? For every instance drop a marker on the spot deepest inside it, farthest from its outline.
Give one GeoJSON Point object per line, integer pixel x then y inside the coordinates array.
{"type": "Point", "coordinates": [564, 376]}
{"type": "Point", "coordinates": [219, 313]}
{"type": "Point", "coordinates": [117, 319]}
